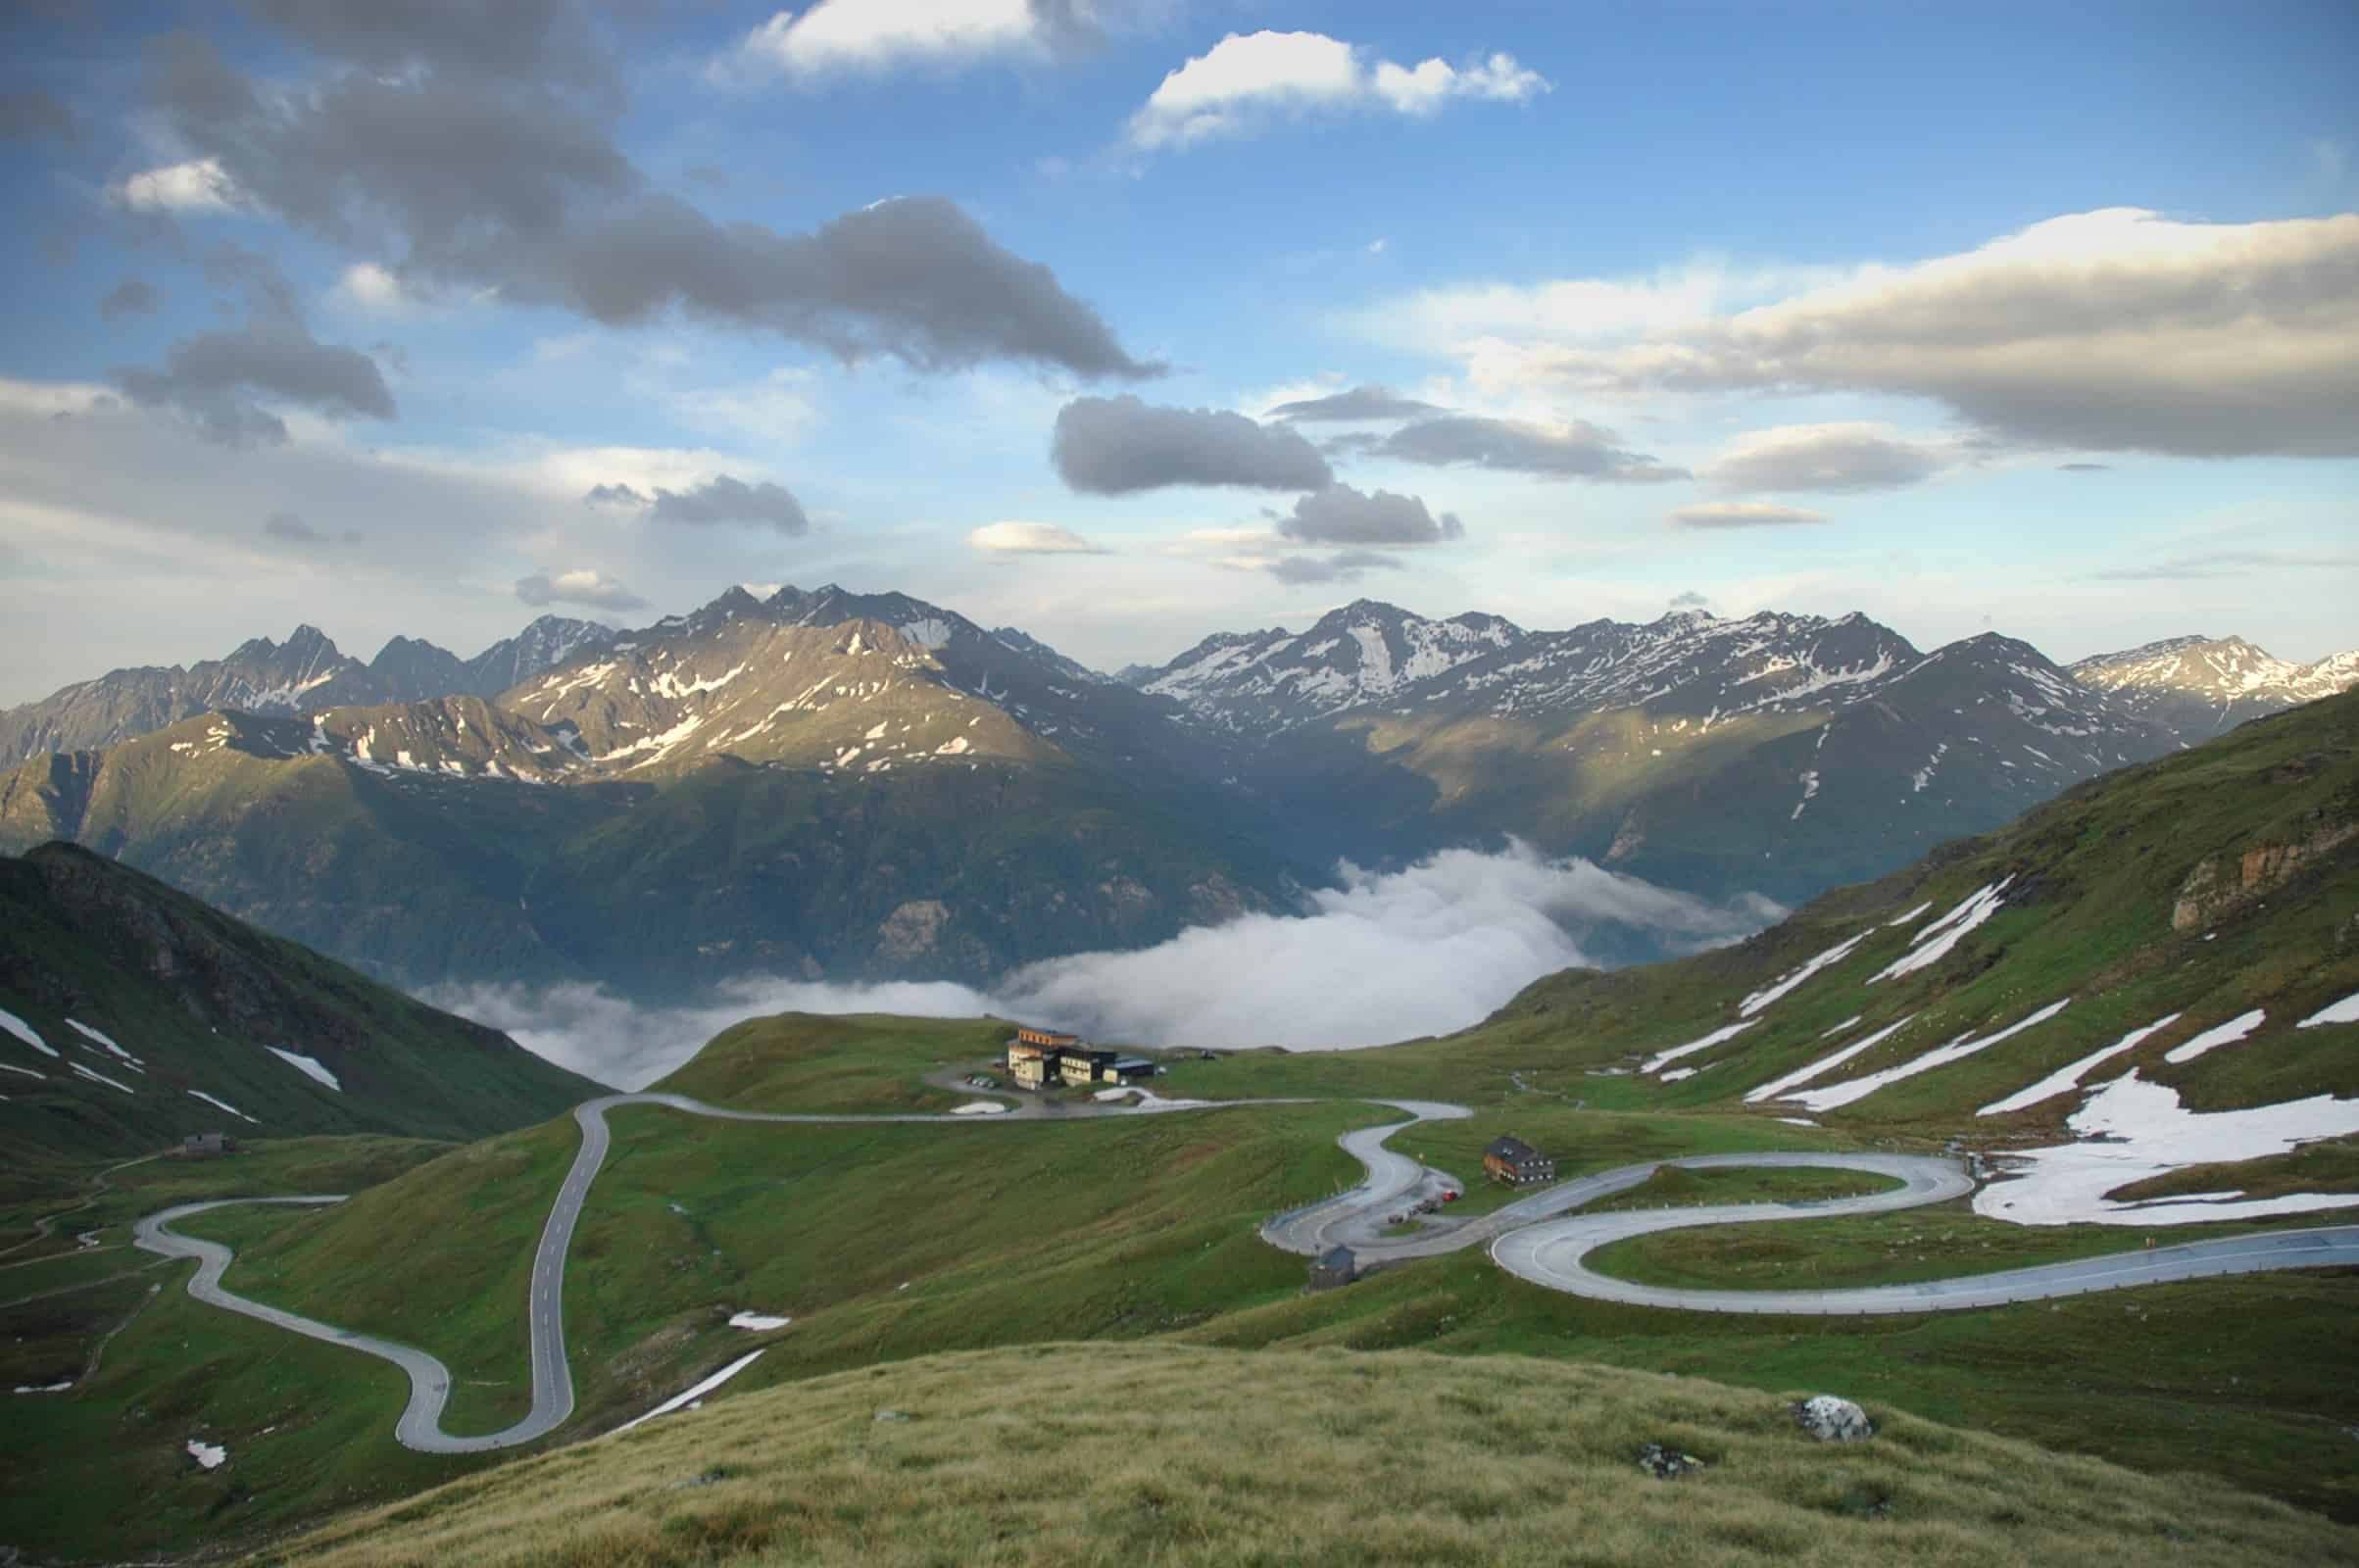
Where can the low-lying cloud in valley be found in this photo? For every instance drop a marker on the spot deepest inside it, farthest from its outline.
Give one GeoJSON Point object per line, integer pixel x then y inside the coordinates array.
{"type": "Point", "coordinates": [1383, 957]}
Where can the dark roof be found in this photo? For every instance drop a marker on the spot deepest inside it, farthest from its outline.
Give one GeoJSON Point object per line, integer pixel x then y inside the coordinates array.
{"type": "Point", "coordinates": [1133, 1062]}
{"type": "Point", "coordinates": [1512, 1149]}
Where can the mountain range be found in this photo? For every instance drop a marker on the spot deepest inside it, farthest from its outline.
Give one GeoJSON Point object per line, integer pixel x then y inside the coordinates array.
{"type": "Point", "coordinates": [858, 786]}
{"type": "Point", "coordinates": [306, 671]}
{"type": "Point", "coordinates": [2205, 686]}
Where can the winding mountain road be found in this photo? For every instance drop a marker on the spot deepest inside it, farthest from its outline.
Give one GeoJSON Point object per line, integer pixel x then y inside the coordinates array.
{"type": "Point", "coordinates": [1535, 1238]}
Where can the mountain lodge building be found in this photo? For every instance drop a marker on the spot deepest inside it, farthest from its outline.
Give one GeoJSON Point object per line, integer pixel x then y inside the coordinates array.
{"type": "Point", "coordinates": [1516, 1163]}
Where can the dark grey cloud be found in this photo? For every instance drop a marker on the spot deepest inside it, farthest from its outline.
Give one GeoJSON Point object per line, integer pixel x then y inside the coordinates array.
{"type": "Point", "coordinates": [1577, 450]}
{"type": "Point", "coordinates": [1744, 515]}
{"type": "Point", "coordinates": [1118, 446]}
{"type": "Point", "coordinates": [1343, 567]}
{"type": "Point", "coordinates": [2225, 564]}
{"type": "Point", "coordinates": [219, 381]}
{"type": "Point", "coordinates": [476, 179]}
{"type": "Point", "coordinates": [1828, 458]}
{"type": "Point", "coordinates": [1342, 515]}
{"type": "Point", "coordinates": [723, 498]}
{"type": "Point", "coordinates": [30, 112]}
{"type": "Point", "coordinates": [1360, 403]}
{"type": "Point", "coordinates": [133, 295]}
{"type": "Point", "coordinates": [542, 39]}
{"type": "Point", "coordinates": [592, 588]}
{"type": "Point", "coordinates": [2084, 467]}
{"type": "Point", "coordinates": [288, 528]}
{"type": "Point", "coordinates": [617, 495]}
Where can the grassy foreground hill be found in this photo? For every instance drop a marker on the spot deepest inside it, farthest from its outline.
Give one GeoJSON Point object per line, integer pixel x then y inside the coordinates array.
{"type": "Point", "coordinates": [142, 1014]}
{"type": "Point", "coordinates": [1171, 1455]}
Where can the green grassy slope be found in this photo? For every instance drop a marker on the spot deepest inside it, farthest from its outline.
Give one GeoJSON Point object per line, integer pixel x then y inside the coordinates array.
{"type": "Point", "coordinates": [2098, 875]}
{"type": "Point", "coordinates": [837, 1062]}
{"type": "Point", "coordinates": [100, 1471]}
{"type": "Point", "coordinates": [1195, 1456]}
{"type": "Point", "coordinates": [196, 996]}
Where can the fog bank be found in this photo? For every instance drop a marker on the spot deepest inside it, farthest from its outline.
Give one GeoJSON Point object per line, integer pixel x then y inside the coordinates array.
{"type": "Point", "coordinates": [1382, 957]}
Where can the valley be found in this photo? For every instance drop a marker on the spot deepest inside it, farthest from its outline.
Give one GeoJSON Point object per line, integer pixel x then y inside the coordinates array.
{"type": "Point", "coordinates": [806, 1176]}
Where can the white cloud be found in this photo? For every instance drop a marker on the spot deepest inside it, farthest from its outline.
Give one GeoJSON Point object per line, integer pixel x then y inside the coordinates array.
{"type": "Point", "coordinates": [836, 35]}
{"type": "Point", "coordinates": [1246, 78]}
{"type": "Point", "coordinates": [198, 186]}
{"type": "Point", "coordinates": [1855, 456]}
{"type": "Point", "coordinates": [1426, 951]}
{"type": "Point", "coordinates": [2111, 331]}
{"type": "Point", "coordinates": [1434, 83]}
{"type": "Point", "coordinates": [373, 288]}
{"type": "Point", "coordinates": [581, 586]}
{"type": "Point", "coordinates": [1031, 539]}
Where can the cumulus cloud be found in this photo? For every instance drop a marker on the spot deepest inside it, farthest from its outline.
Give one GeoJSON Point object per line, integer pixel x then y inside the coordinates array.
{"type": "Point", "coordinates": [723, 498]}
{"type": "Point", "coordinates": [582, 587]}
{"type": "Point", "coordinates": [200, 185]}
{"type": "Point", "coordinates": [1743, 515]}
{"type": "Point", "coordinates": [1359, 404]}
{"type": "Point", "coordinates": [288, 528]}
{"type": "Point", "coordinates": [616, 495]}
{"type": "Point", "coordinates": [1691, 600]}
{"type": "Point", "coordinates": [372, 287]}
{"type": "Point", "coordinates": [1247, 79]}
{"type": "Point", "coordinates": [220, 381]}
{"type": "Point", "coordinates": [131, 297]}
{"type": "Point", "coordinates": [1120, 445]}
{"type": "Point", "coordinates": [1347, 566]}
{"type": "Point", "coordinates": [1342, 515]}
{"type": "Point", "coordinates": [478, 178]}
{"type": "Point", "coordinates": [33, 113]}
{"type": "Point", "coordinates": [1827, 458]}
{"type": "Point", "coordinates": [2112, 330]}
{"type": "Point", "coordinates": [1382, 958]}
{"type": "Point", "coordinates": [1573, 450]}
{"type": "Point", "coordinates": [861, 35]}
{"type": "Point", "coordinates": [1031, 539]}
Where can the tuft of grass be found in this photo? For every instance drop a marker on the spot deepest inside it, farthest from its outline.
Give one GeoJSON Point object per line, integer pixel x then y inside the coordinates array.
{"type": "Point", "coordinates": [1185, 1456]}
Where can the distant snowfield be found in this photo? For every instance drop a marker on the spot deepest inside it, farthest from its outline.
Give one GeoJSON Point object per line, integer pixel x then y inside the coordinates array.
{"type": "Point", "coordinates": [681, 1401]}
{"type": "Point", "coordinates": [309, 1067]}
{"type": "Point", "coordinates": [220, 1105]}
{"type": "Point", "coordinates": [757, 1322]}
{"type": "Point", "coordinates": [2135, 1129]}
{"type": "Point", "coordinates": [1385, 956]}
{"type": "Point", "coordinates": [2070, 1076]}
{"type": "Point", "coordinates": [24, 1032]}
{"type": "Point", "coordinates": [208, 1456]}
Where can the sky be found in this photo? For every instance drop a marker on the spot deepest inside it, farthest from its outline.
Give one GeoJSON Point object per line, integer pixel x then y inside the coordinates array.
{"type": "Point", "coordinates": [1124, 323]}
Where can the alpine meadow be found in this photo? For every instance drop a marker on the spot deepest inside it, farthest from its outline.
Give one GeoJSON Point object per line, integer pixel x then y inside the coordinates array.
{"type": "Point", "coordinates": [1038, 782]}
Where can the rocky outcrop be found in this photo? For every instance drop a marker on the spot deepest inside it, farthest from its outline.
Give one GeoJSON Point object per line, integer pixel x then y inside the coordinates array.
{"type": "Point", "coordinates": [911, 930]}
{"type": "Point", "coordinates": [1833, 1419]}
{"type": "Point", "coordinates": [1665, 1462]}
{"type": "Point", "coordinates": [2220, 882]}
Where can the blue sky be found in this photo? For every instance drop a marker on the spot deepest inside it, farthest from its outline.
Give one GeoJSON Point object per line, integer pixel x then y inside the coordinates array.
{"type": "Point", "coordinates": [337, 311]}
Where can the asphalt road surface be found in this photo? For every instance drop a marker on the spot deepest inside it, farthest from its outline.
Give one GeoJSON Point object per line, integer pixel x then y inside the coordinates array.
{"type": "Point", "coordinates": [420, 1424]}
{"type": "Point", "coordinates": [1536, 1238]}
